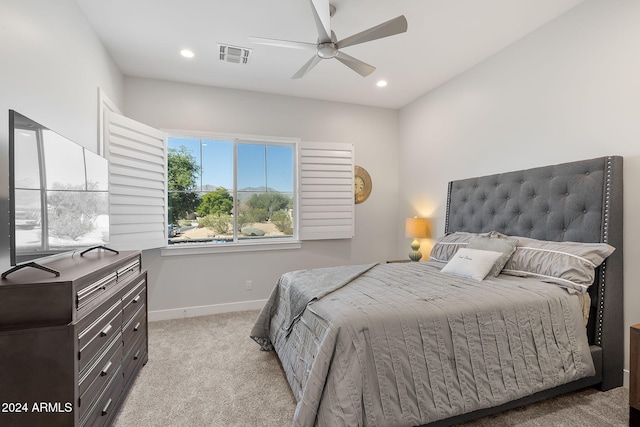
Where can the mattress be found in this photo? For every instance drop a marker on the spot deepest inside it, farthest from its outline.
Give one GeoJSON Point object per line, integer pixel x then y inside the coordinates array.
{"type": "Point", "coordinates": [405, 345]}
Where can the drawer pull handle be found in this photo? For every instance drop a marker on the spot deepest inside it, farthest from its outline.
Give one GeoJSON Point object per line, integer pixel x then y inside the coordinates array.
{"type": "Point", "coordinates": [105, 370]}
{"type": "Point", "coordinates": [137, 355]}
{"type": "Point", "coordinates": [105, 410]}
{"type": "Point", "coordinates": [105, 331]}
{"type": "Point", "coordinates": [135, 328]}
{"type": "Point", "coordinates": [136, 299]}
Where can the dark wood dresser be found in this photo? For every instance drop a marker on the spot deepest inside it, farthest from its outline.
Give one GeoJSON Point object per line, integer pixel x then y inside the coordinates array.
{"type": "Point", "coordinates": [634, 376]}
{"type": "Point", "coordinates": [70, 346]}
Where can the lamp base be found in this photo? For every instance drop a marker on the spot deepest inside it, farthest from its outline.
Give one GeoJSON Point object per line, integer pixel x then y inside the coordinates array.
{"type": "Point", "coordinates": [415, 253]}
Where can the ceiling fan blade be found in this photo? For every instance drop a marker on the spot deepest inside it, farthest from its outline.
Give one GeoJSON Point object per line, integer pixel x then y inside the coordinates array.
{"type": "Point", "coordinates": [283, 43]}
{"type": "Point", "coordinates": [322, 16]}
{"type": "Point", "coordinates": [356, 65]}
{"type": "Point", "coordinates": [392, 27]}
{"type": "Point", "coordinates": [306, 67]}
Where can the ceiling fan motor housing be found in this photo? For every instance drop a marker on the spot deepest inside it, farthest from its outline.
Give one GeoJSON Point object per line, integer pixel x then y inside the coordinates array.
{"type": "Point", "coordinates": [327, 50]}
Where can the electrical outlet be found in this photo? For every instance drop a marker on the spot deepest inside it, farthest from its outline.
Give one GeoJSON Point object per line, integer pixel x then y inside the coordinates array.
{"type": "Point", "coordinates": [248, 285]}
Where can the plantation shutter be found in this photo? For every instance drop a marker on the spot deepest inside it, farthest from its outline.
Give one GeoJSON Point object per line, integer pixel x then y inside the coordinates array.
{"type": "Point", "coordinates": [137, 183]}
{"type": "Point", "coordinates": [325, 195]}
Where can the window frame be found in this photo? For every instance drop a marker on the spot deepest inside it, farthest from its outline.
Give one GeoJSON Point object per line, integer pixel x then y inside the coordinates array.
{"type": "Point", "coordinates": [272, 243]}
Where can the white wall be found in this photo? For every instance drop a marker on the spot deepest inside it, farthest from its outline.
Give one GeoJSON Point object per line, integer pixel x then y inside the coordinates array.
{"type": "Point", "coordinates": [217, 281]}
{"type": "Point", "coordinates": [52, 66]}
{"type": "Point", "coordinates": [569, 91]}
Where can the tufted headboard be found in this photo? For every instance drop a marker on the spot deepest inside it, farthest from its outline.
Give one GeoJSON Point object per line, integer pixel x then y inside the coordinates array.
{"type": "Point", "coordinates": [579, 201]}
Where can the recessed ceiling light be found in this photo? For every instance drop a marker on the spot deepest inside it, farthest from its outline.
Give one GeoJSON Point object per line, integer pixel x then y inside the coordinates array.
{"type": "Point", "coordinates": [381, 83]}
{"type": "Point", "coordinates": [187, 53]}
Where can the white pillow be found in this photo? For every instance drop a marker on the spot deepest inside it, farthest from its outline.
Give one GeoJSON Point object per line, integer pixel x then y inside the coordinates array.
{"type": "Point", "coordinates": [472, 263]}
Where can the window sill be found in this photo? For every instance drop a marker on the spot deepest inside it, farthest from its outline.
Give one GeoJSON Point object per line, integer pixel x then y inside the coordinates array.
{"type": "Point", "coordinates": [195, 249]}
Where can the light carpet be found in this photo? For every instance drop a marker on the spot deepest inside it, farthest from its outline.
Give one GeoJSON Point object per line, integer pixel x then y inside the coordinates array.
{"type": "Point", "coordinates": [206, 371]}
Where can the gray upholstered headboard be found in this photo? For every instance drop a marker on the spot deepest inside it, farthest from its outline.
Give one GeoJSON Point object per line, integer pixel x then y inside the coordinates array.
{"type": "Point", "coordinates": [579, 201]}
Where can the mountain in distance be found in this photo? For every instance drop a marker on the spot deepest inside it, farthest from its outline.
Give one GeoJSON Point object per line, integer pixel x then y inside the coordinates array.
{"type": "Point", "coordinates": [247, 192]}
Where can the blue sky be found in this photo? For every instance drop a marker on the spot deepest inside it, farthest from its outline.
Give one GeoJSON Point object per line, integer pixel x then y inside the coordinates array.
{"type": "Point", "coordinates": [258, 165]}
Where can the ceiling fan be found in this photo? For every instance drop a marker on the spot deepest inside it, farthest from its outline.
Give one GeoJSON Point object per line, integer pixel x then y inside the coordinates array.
{"type": "Point", "coordinates": [329, 47]}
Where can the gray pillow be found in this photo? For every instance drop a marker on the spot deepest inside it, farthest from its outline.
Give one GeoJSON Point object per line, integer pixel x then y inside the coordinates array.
{"type": "Point", "coordinates": [446, 246]}
{"type": "Point", "coordinates": [569, 264]}
{"type": "Point", "coordinates": [496, 243]}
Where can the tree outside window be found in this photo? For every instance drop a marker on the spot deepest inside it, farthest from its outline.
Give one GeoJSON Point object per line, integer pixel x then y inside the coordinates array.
{"type": "Point", "coordinates": [182, 172]}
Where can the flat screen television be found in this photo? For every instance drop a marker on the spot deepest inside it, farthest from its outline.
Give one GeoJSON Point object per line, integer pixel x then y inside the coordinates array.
{"type": "Point", "coordinates": [58, 193]}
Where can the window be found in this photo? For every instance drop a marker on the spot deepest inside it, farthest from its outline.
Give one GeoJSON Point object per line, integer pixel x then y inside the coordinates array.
{"type": "Point", "coordinates": [316, 176]}
{"type": "Point", "coordinates": [230, 190]}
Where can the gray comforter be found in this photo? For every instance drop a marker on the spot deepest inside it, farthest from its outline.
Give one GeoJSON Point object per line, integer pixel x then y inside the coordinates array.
{"type": "Point", "coordinates": [405, 345]}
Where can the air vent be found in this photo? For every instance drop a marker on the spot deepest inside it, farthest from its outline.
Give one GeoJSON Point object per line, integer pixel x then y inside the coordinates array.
{"type": "Point", "coordinates": [237, 55]}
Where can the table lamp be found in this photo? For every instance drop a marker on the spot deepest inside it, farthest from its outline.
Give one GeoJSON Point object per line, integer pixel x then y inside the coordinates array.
{"type": "Point", "coordinates": [417, 228]}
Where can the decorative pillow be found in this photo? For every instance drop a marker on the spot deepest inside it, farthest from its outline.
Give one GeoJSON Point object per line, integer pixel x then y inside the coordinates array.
{"type": "Point", "coordinates": [569, 264]}
{"type": "Point", "coordinates": [447, 245]}
{"type": "Point", "coordinates": [495, 242]}
{"type": "Point", "coordinates": [471, 263]}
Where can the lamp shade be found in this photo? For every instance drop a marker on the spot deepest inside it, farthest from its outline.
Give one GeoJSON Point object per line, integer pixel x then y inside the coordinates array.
{"type": "Point", "coordinates": [417, 227]}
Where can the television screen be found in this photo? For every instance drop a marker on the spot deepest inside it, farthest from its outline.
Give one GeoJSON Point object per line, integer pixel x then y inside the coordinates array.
{"type": "Point", "coordinates": [59, 193]}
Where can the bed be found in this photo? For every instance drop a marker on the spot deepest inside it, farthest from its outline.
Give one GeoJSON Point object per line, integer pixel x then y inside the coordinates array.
{"type": "Point", "coordinates": [410, 344]}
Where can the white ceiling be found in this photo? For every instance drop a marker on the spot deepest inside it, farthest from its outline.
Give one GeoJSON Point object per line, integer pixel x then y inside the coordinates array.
{"type": "Point", "coordinates": [445, 38]}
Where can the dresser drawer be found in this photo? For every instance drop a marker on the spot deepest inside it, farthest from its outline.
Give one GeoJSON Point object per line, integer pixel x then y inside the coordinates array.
{"type": "Point", "coordinates": [135, 357]}
{"type": "Point", "coordinates": [129, 270]}
{"type": "Point", "coordinates": [104, 406]}
{"type": "Point", "coordinates": [97, 320]}
{"type": "Point", "coordinates": [91, 312]}
{"type": "Point", "coordinates": [135, 298]}
{"type": "Point", "coordinates": [134, 327]}
{"type": "Point", "coordinates": [95, 289]}
{"type": "Point", "coordinates": [94, 338]}
{"type": "Point", "coordinates": [99, 373]}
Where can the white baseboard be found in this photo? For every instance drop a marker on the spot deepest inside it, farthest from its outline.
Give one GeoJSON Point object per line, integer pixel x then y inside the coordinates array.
{"type": "Point", "coordinates": [625, 378]}
{"type": "Point", "coordinates": [204, 310]}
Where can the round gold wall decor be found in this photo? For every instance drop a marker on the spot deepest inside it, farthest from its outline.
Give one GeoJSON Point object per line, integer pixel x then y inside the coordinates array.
{"type": "Point", "coordinates": [362, 184]}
